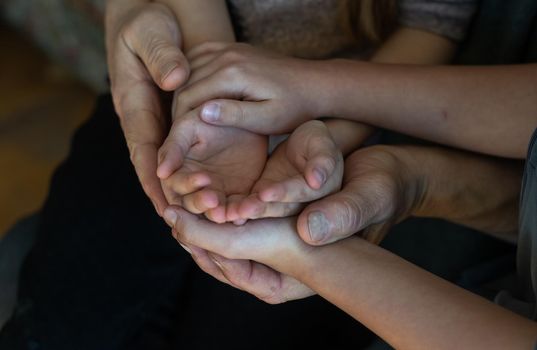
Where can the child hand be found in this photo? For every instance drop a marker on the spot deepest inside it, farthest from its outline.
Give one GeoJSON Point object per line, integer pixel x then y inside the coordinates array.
{"type": "Point", "coordinates": [245, 87]}
{"type": "Point", "coordinates": [306, 167]}
{"type": "Point", "coordinates": [202, 165]}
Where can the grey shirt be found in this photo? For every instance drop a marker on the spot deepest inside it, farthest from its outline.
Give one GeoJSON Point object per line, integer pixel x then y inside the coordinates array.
{"type": "Point", "coordinates": [314, 28]}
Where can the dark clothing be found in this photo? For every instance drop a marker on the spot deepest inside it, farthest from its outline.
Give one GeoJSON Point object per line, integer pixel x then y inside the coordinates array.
{"type": "Point", "coordinates": [521, 298]}
{"type": "Point", "coordinates": [106, 274]}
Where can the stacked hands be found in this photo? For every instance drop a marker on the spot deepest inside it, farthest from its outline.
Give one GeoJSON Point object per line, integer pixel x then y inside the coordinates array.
{"type": "Point", "coordinates": [228, 98]}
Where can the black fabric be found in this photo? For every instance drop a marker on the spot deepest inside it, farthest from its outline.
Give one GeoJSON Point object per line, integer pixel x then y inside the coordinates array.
{"type": "Point", "coordinates": [105, 273]}
{"type": "Point", "coordinates": [502, 32]}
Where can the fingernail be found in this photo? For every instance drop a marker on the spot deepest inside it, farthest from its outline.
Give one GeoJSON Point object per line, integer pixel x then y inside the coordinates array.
{"type": "Point", "coordinates": [186, 248]}
{"type": "Point", "coordinates": [170, 216]}
{"type": "Point", "coordinates": [319, 176]}
{"type": "Point", "coordinates": [318, 226]}
{"type": "Point", "coordinates": [211, 112]}
{"type": "Point", "coordinates": [174, 77]}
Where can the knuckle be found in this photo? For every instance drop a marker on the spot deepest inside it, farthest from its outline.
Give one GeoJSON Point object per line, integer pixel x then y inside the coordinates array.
{"type": "Point", "coordinates": [232, 55]}
{"type": "Point", "coordinates": [156, 50]}
{"type": "Point", "coordinates": [350, 215]}
{"type": "Point", "coordinates": [273, 295]}
{"type": "Point", "coordinates": [234, 71]}
{"type": "Point", "coordinates": [238, 115]}
{"type": "Point", "coordinates": [329, 161]}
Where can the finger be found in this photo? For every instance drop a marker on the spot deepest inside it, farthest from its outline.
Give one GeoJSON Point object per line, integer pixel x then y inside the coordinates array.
{"type": "Point", "coordinates": [209, 62]}
{"type": "Point", "coordinates": [201, 201]}
{"type": "Point", "coordinates": [204, 68]}
{"type": "Point", "coordinates": [257, 117]}
{"type": "Point", "coordinates": [184, 183]}
{"type": "Point", "coordinates": [202, 61]}
{"type": "Point", "coordinates": [376, 233]}
{"type": "Point", "coordinates": [205, 48]}
{"type": "Point", "coordinates": [260, 280]}
{"type": "Point", "coordinates": [312, 150]}
{"type": "Point", "coordinates": [144, 159]}
{"type": "Point", "coordinates": [291, 190]}
{"type": "Point", "coordinates": [143, 125]}
{"type": "Point", "coordinates": [322, 167]}
{"type": "Point", "coordinates": [254, 240]}
{"type": "Point", "coordinates": [253, 208]}
{"type": "Point", "coordinates": [232, 207]}
{"type": "Point", "coordinates": [356, 206]}
{"type": "Point", "coordinates": [159, 48]}
{"type": "Point", "coordinates": [181, 138]}
{"type": "Point", "coordinates": [218, 214]}
{"type": "Point", "coordinates": [205, 263]}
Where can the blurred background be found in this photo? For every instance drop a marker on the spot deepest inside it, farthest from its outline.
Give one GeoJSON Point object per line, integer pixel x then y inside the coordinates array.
{"type": "Point", "coordinates": [52, 67]}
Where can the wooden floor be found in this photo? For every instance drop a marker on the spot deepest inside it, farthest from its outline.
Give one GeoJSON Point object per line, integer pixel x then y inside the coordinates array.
{"type": "Point", "coordinates": [40, 107]}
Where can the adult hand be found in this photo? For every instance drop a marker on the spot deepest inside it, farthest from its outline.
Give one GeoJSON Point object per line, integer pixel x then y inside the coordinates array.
{"type": "Point", "coordinates": [248, 257]}
{"type": "Point", "coordinates": [144, 57]}
{"type": "Point", "coordinates": [246, 87]}
{"type": "Point", "coordinates": [380, 188]}
{"type": "Point", "coordinates": [255, 257]}
{"type": "Point", "coordinates": [203, 166]}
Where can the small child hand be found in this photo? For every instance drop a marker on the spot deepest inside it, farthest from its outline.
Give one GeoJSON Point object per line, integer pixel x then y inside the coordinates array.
{"type": "Point", "coordinates": [201, 165]}
{"type": "Point", "coordinates": [306, 167]}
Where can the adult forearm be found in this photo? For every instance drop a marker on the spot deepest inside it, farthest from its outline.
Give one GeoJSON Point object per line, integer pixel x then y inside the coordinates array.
{"type": "Point", "coordinates": [484, 109]}
{"type": "Point", "coordinates": [409, 307]}
{"type": "Point", "coordinates": [202, 21]}
{"type": "Point", "coordinates": [478, 191]}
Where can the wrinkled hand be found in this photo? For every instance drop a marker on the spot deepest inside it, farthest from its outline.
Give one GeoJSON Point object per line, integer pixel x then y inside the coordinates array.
{"type": "Point", "coordinates": [203, 166]}
{"type": "Point", "coordinates": [247, 257]}
{"type": "Point", "coordinates": [305, 167]}
{"type": "Point", "coordinates": [144, 57]}
{"type": "Point", "coordinates": [267, 258]}
{"type": "Point", "coordinates": [256, 90]}
{"type": "Point", "coordinates": [380, 188]}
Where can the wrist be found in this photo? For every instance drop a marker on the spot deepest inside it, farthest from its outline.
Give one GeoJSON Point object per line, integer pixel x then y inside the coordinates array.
{"type": "Point", "coordinates": [414, 173]}
{"type": "Point", "coordinates": [341, 86]}
{"type": "Point", "coordinates": [322, 88]}
{"type": "Point", "coordinates": [348, 135]}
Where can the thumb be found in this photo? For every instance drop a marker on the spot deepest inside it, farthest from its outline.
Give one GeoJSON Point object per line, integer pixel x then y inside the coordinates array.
{"type": "Point", "coordinates": [252, 116]}
{"type": "Point", "coordinates": [160, 52]}
{"type": "Point", "coordinates": [165, 62]}
{"type": "Point", "coordinates": [312, 142]}
{"type": "Point", "coordinates": [358, 205]}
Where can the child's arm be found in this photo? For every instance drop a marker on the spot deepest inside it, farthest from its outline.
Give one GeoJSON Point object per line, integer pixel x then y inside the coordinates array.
{"type": "Point", "coordinates": [404, 46]}
{"type": "Point", "coordinates": [202, 21]}
{"type": "Point", "coordinates": [408, 307]}
{"type": "Point", "coordinates": [465, 107]}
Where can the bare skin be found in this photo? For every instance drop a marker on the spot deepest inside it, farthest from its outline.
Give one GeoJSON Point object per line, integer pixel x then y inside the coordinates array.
{"type": "Point", "coordinates": [145, 59]}
{"type": "Point", "coordinates": [406, 306]}
{"type": "Point", "coordinates": [437, 103]}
